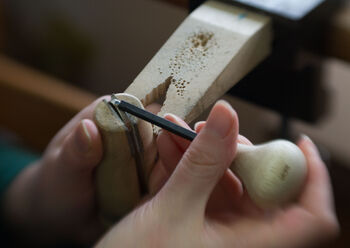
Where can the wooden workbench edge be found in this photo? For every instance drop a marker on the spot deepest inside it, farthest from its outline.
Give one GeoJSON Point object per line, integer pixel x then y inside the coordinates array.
{"type": "Point", "coordinates": [34, 105]}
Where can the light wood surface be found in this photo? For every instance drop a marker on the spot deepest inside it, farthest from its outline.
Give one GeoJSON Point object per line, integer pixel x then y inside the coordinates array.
{"type": "Point", "coordinates": [214, 48]}
{"type": "Point", "coordinates": [338, 35]}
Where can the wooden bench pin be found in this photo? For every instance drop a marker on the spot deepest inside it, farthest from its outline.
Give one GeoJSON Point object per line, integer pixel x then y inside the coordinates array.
{"type": "Point", "coordinates": [215, 46]}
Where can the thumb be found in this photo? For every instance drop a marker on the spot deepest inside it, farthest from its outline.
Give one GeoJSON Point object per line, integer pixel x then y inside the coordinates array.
{"type": "Point", "coordinates": [82, 148]}
{"type": "Point", "coordinates": [205, 160]}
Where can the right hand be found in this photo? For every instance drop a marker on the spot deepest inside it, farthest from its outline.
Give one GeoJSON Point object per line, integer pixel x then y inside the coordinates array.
{"type": "Point", "coordinates": [202, 204]}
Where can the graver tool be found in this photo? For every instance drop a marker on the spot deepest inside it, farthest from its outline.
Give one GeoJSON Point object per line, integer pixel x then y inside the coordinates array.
{"type": "Point", "coordinates": [272, 173]}
{"type": "Point", "coordinates": [152, 118]}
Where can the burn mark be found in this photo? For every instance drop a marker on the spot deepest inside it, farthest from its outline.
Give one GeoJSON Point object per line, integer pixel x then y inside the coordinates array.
{"type": "Point", "coordinates": [285, 171]}
{"type": "Point", "coordinates": [192, 56]}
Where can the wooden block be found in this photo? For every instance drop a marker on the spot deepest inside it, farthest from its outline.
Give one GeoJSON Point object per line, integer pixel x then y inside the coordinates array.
{"type": "Point", "coordinates": [212, 49]}
{"type": "Point", "coordinates": [337, 37]}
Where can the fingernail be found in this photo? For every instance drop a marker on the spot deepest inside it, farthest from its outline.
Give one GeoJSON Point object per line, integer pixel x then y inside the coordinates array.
{"type": "Point", "coordinates": [198, 124]}
{"type": "Point", "coordinates": [312, 147]}
{"type": "Point", "coordinates": [175, 119]}
{"type": "Point", "coordinates": [84, 137]}
{"type": "Point", "coordinates": [305, 137]}
{"type": "Point", "coordinates": [220, 120]}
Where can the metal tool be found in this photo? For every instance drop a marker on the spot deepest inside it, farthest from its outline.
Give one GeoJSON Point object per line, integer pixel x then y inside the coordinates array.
{"type": "Point", "coordinates": [119, 106]}
{"type": "Point", "coordinates": [279, 159]}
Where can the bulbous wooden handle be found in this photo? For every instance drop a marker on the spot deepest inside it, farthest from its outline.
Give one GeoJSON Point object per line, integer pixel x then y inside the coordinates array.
{"type": "Point", "coordinates": [272, 173]}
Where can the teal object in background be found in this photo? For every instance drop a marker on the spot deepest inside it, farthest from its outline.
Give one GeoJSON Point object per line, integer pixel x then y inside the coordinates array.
{"type": "Point", "coordinates": [12, 161]}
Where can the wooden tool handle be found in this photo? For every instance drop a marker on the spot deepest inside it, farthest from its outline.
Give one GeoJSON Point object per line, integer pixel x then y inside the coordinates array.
{"type": "Point", "coordinates": [117, 178]}
{"type": "Point", "coordinates": [272, 173]}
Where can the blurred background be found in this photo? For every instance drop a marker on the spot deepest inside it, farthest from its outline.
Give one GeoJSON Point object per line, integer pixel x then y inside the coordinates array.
{"type": "Point", "coordinates": [99, 45]}
{"type": "Point", "coordinates": [59, 55]}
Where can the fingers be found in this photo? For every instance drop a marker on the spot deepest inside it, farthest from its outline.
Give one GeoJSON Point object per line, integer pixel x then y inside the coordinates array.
{"type": "Point", "coordinates": [169, 155]}
{"type": "Point", "coordinates": [82, 148]}
{"type": "Point", "coordinates": [199, 125]}
{"type": "Point", "coordinates": [171, 146]}
{"type": "Point", "coordinates": [317, 196]}
{"type": "Point", "coordinates": [153, 108]}
{"type": "Point", "coordinates": [158, 178]}
{"type": "Point", "coordinates": [169, 152]}
{"type": "Point", "coordinates": [86, 113]}
{"type": "Point", "coordinates": [206, 159]}
{"type": "Point", "coordinates": [313, 220]}
{"type": "Point", "coordinates": [229, 187]}
{"type": "Point", "coordinates": [170, 149]}
{"type": "Point", "coordinates": [182, 143]}
{"type": "Point", "coordinates": [243, 140]}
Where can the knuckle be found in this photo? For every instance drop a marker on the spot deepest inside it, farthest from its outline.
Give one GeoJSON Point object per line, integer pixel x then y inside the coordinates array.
{"type": "Point", "coordinates": [196, 156]}
{"type": "Point", "coordinates": [52, 155]}
{"type": "Point", "coordinates": [201, 165]}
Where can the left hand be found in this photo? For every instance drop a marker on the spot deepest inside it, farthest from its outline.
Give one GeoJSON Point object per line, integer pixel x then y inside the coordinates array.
{"type": "Point", "coordinates": [53, 200]}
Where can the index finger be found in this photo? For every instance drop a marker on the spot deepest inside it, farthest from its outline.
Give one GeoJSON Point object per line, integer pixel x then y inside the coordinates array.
{"type": "Point", "coordinates": [240, 139]}
{"type": "Point", "coordinates": [317, 196]}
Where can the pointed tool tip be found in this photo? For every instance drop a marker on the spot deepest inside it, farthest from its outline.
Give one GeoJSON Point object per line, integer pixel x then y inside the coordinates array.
{"type": "Point", "coordinates": [115, 100]}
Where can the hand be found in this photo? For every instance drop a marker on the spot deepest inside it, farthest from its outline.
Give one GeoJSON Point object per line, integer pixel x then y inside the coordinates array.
{"type": "Point", "coordinates": [53, 199]}
{"type": "Point", "coordinates": [202, 204]}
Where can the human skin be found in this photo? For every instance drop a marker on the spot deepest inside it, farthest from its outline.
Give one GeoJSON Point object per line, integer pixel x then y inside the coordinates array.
{"type": "Point", "coordinates": [53, 200]}
{"type": "Point", "coordinates": [198, 202]}
{"type": "Point", "coordinates": [194, 201]}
